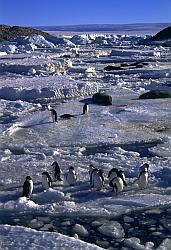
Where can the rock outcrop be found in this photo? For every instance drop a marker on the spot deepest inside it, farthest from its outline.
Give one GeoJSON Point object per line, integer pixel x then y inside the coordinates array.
{"type": "Point", "coordinates": [163, 34]}
{"type": "Point", "coordinates": [102, 98]}
{"type": "Point", "coordinates": [154, 94]}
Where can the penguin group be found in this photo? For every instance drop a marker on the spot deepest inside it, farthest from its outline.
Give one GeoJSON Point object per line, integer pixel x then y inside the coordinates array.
{"type": "Point", "coordinates": [116, 179]}
{"type": "Point", "coordinates": [54, 115]}
{"type": "Point", "coordinates": [70, 178]}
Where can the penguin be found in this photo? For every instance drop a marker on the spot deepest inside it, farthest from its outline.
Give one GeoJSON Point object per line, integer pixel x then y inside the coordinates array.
{"type": "Point", "coordinates": [101, 176]}
{"type": "Point", "coordinates": [46, 181]}
{"type": "Point", "coordinates": [122, 175]}
{"type": "Point", "coordinates": [97, 179]}
{"type": "Point", "coordinates": [143, 179]}
{"type": "Point", "coordinates": [67, 116]}
{"type": "Point", "coordinates": [53, 113]}
{"type": "Point", "coordinates": [91, 170]}
{"type": "Point", "coordinates": [71, 176]}
{"type": "Point", "coordinates": [85, 108]}
{"type": "Point", "coordinates": [56, 171]}
{"type": "Point", "coordinates": [112, 173]}
{"type": "Point", "coordinates": [117, 184]}
{"type": "Point", "coordinates": [28, 187]}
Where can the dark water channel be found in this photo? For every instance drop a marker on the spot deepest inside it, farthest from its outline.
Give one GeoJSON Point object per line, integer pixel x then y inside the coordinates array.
{"type": "Point", "coordinates": [152, 225]}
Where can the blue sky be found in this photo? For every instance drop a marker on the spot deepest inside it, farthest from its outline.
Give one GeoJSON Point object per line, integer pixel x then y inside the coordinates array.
{"type": "Point", "coordinates": [68, 12]}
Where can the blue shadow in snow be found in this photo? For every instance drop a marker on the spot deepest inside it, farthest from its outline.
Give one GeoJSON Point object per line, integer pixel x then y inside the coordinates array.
{"type": "Point", "coordinates": [34, 125]}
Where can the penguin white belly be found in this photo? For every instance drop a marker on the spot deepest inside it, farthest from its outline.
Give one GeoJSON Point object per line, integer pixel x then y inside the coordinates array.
{"type": "Point", "coordinates": [31, 187]}
{"type": "Point", "coordinates": [123, 177]}
{"type": "Point", "coordinates": [45, 182]}
{"type": "Point", "coordinates": [71, 178]}
{"type": "Point", "coordinates": [87, 109]}
{"type": "Point", "coordinates": [143, 181]}
{"type": "Point", "coordinates": [97, 181]}
{"type": "Point", "coordinates": [118, 182]}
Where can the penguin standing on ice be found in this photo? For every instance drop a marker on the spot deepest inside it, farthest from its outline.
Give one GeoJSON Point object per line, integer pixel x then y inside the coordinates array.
{"type": "Point", "coordinates": [97, 179]}
{"type": "Point", "coordinates": [117, 183]}
{"type": "Point", "coordinates": [53, 113]}
{"type": "Point", "coordinates": [46, 181]}
{"type": "Point", "coordinates": [71, 176]}
{"type": "Point", "coordinates": [56, 171]}
{"type": "Point", "coordinates": [112, 173]}
{"type": "Point", "coordinates": [121, 173]}
{"type": "Point", "coordinates": [28, 187]}
{"type": "Point", "coordinates": [85, 108]}
{"type": "Point", "coordinates": [91, 169]}
{"type": "Point", "coordinates": [143, 179]}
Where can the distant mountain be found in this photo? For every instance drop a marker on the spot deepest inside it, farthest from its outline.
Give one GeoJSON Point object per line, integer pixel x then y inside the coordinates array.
{"type": "Point", "coordinates": [163, 34]}
{"type": "Point", "coordinates": [7, 32]}
{"type": "Point", "coordinates": [144, 27]}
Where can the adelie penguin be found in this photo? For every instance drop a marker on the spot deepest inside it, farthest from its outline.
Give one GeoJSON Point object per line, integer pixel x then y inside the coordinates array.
{"type": "Point", "coordinates": [143, 179]}
{"type": "Point", "coordinates": [121, 173]}
{"type": "Point", "coordinates": [117, 183]}
{"type": "Point", "coordinates": [71, 177]}
{"type": "Point", "coordinates": [46, 181]}
{"type": "Point", "coordinates": [28, 187]}
{"type": "Point", "coordinates": [85, 108]}
{"type": "Point", "coordinates": [91, 169]}
{"type": "Point", "coordinates": [53, 113]}
{"type": "Point", "coordinates": [56, 171]}
{"type": "Point", "coordinates": [112, 174]}
{"type": "Point", "coordinates": [97, 179]}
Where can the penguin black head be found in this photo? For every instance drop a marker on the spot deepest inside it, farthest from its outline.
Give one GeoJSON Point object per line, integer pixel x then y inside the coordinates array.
{"type": "Point", "coordinates": [101, 172]}
{"type": "Point", "coordinates": [146, 165]}
{"type": "Point", "coordinates": [55, 163]}
{"type": "Point", "coordinates": [112, 170]}
{"type": "Point", "coordinates": [45, 173]}
{"type": "Point", "coordinates": [71, 168]}
{"type": "Point", "coordinates": [120, 172]}
{"type": "Point", "coordinates": [28, 178]}
{"type": "Point", "coordinates": [91, 166]}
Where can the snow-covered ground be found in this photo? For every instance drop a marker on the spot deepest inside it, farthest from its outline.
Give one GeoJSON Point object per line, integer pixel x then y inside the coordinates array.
{"type": "Point", "coordinates": [124, 135]}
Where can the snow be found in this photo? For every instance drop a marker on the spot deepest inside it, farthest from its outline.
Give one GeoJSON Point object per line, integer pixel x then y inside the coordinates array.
{"type": "Point", "coordinates": [125, 135]}
{"type": "Point", "coordinates": [25, 238]}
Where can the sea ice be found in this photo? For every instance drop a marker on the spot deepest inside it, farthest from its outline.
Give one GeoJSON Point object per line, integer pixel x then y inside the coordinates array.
{"type": "Point", "coordinates": [112, 229]}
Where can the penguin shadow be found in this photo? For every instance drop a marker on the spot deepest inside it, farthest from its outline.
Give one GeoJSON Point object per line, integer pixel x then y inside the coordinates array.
{"type": "Point", "coordinates": [78, 187]}
{"type": "Point", "coordinates": [87, 100]}
{"type": "Point", "coordinates": [34, 125]}
{"type": "Point", "coordinates": [89, 195]}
